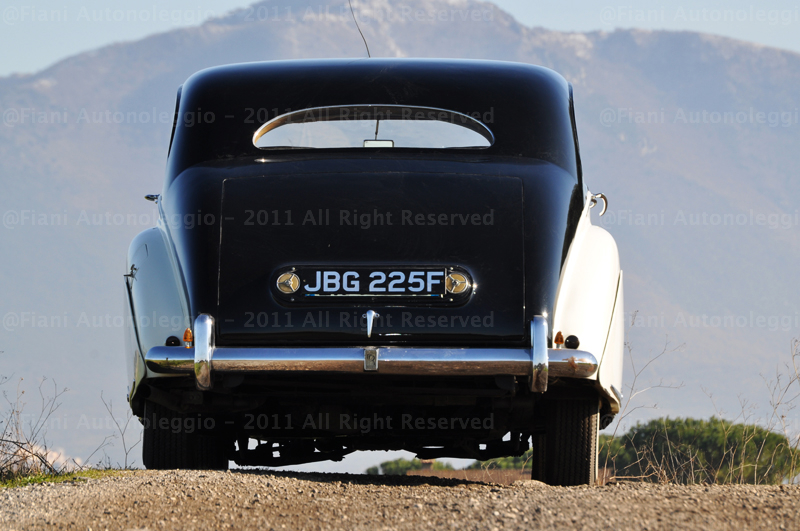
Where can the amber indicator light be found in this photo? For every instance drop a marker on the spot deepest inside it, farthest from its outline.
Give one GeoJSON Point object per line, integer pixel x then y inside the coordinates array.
{"type": "Point", "coordinates": [559, 340]}
{"type": "Point", "coordinates": [188, 337]}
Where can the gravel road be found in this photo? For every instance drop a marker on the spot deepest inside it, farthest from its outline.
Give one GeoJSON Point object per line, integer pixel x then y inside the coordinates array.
{"type": "Point", "coordinates": [196, 500]}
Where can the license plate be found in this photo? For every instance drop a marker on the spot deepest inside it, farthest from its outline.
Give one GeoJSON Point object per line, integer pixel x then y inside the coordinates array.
{"type": "Point", "coordinates": [314, 283]}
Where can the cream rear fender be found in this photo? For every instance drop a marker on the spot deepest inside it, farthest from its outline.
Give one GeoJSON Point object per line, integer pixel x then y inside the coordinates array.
{"type": "Point", "coordinates": [134, 361]}
{"type": "Point", "coordinates": [156, 301]}
{"type": "Point", "coordinates": [589, 302]}
{"type": "Point", "coordinates": [610, 370]}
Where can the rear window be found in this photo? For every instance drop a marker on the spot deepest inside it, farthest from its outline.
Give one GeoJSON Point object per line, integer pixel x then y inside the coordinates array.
{"type": "Point", "coordinates": [373, 126]}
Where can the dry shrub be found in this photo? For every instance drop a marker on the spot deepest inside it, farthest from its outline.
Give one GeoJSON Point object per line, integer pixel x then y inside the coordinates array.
{"type": "Point", "coordinates": [24, 448]}
{"type": "Point", "coordinates": [716, 451]}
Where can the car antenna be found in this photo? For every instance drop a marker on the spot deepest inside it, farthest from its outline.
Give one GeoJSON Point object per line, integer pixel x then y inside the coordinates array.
{"type": "Point", "coordinates": [377, 124]}
{"type": "Point", "coordinates": [358, 27]}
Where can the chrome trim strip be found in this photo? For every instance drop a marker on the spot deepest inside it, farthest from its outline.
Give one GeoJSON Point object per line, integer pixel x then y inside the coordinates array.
{"type": "Point", "coordinates": [562, 363]}
{"type": "Point", "coordinates": [539, 354]}
{"type": "Point", "coordinates": [455, 362]}
{"type": "Point", "coordinates": [393, 360]}
{"type": "Point", "coordinates": [203, 350]}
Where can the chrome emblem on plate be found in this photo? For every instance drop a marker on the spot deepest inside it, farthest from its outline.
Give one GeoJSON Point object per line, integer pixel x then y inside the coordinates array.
{"type": "Point", "coordinates": [370, 359]}
{"type": "Point", "coordinates": [288, 283]}
{"type": "Point", "coordinates": [456, 283]}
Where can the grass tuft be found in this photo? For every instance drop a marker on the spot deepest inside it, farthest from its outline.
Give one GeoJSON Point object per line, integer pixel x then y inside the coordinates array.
{"type": "Point", "coordinates": [77, 476]}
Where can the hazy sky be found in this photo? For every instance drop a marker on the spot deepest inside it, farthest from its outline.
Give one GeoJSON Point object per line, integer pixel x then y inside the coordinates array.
{"type": "Point", "coordinates": [37, 33]}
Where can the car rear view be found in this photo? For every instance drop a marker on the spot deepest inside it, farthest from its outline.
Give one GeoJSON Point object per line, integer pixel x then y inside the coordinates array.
{"type": "Point", "coordinates": [374, 255]}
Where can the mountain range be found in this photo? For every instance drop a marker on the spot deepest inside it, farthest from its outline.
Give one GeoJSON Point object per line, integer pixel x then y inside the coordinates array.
{"type": "Point", "coordinates": [692, 137]}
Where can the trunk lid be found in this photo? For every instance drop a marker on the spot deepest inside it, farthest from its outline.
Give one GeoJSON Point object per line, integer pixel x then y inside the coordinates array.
{"type": "Point", "coordinates": [363, 222]}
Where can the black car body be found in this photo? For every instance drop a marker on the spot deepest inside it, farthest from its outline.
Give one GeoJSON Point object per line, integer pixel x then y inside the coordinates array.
{"type": "Point", "coordinates": [322, 300]}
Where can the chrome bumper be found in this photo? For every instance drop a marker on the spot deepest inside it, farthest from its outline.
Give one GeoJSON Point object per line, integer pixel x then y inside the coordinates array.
{"type": "Point", "coordinates": [539, 363]}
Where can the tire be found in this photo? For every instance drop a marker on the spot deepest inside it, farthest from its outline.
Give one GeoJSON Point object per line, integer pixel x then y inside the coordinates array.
{"type": "Point", "coordinates": [539, 457]}
{"type": "Point", "coordinates": [566, 454]}
{"type": "Point", "coordinates": [167, 444]}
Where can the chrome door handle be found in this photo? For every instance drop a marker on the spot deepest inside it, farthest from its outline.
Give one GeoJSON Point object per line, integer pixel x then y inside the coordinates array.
{"type": "Point", "coordinates": [595, 197]}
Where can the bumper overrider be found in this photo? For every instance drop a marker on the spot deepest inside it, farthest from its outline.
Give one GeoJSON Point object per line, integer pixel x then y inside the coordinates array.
{"type": "Point", "coordinates": [539, 363]}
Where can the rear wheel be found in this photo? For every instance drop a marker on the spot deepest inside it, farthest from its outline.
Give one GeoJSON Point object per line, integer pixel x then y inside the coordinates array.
{"type": "Point", "coordinates": [566, 453]}
{"type": "Point", "coordinates": [173, 440]}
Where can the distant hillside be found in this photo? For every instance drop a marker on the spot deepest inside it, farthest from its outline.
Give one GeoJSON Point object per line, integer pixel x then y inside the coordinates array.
{"type": "Point", "coordinates": [692, 137]}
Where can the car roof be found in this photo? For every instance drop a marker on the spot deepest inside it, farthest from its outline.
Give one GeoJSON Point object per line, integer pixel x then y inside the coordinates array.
{"type": "Point", "coordinates": [527, 108]}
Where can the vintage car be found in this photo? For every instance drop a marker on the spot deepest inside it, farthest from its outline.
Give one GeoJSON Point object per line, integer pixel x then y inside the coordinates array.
{"type": "Point", "coordinates": [374, 255]}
